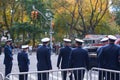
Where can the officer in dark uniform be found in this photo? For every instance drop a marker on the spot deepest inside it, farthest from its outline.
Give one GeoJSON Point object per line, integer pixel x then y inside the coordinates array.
{"type": "Point", "coordinates": [79, 58]}
{"type": "Point", "coordinates": [43, 59]}
{"type": "Point", "coordinates": [105, 42]}
{"type": "Point", "coordinates": [63, 58]}
{"type": "Point", "coordinates": [23, 62]}
{"type": "Point", "coordinates": [108, 58]}
{"type": "Point", "coordinates": [8, 57]}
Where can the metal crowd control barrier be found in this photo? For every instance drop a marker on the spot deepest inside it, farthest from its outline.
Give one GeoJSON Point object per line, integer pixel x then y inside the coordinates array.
{"type": "Point", "coordinates": [78, 73]}
{"type": "Point", "coordinates": [1, 76]}
{"type": "Point", "coordinates": [104, 74]}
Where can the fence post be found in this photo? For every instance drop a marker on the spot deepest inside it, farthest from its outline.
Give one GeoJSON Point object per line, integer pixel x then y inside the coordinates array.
{"type": "Point", "coordinates": [1, 76]}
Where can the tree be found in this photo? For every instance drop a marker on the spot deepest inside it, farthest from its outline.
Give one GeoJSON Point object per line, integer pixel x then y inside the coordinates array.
{"type": "Point", "coordinates": [116, 11]}
{"type": "Point", "coordinates": [9, 11]}
{"type": "Point", "coordinates": [82, 16]}
{"type": "Point", "coordinates": [24, 32]}
{"type": "Point", "coordinates": [19, 11]}
{"type": "Point", "coordinates": [116, 5]}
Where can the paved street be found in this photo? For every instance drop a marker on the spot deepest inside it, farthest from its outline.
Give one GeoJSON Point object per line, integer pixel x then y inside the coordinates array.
{"type": "Point", "coordinates": [33, 62]}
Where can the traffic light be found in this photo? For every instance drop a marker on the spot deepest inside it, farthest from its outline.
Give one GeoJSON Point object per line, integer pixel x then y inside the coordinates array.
{"type": "Point", "coordinates": [34, 14]}
{"type": "Point", "coordinates": [53, 25]}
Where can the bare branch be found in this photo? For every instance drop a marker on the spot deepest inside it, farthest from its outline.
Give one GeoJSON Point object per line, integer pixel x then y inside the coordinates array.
{"type": "Point", "coordinates": [80, 11]}
{"type": "Point", "coordinates": [102, 14]}
{"type": "Point", "coordinates": [62, 5]}
{"type": "Point", "coordinates": [92, 12]}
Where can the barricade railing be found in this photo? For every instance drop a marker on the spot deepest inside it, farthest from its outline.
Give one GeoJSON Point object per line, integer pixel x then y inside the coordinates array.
{"type": "Point", "coordinates": [1, 76]}
{"type": "Point", "coordinates": [77, 73]}
{"type": "Point", "coordinates": [104, 74]}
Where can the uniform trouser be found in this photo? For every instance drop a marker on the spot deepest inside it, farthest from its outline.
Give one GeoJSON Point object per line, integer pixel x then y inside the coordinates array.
{"type": "Point", "coordinates": [43, 76]}
{"type": "Point", "coordinates": [8, 68]}
{"type": "Point", "coordinates": [64, 75]}
{"type": "Point", "coordinates": [101, 75]}
{"type": "Point", "coordinates": [79, 74]}
{"type": "Point", "coordinates": [108, 76]}
{"type": "Point", "coordinates": [112, 76]}
{"type": "Point", "coordinates": [23, 76]}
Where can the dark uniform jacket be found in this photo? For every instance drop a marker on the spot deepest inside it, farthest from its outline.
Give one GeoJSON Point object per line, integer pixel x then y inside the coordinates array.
{"type": "Point", "coordinates": [8, 55]}
{"type": "Point", "coordinates": [63, 57]}
{"type": "Point", "coordinates": [79, 58]}
{"type": "Point", "coordinates": [108, 56]}
{"type": "Point", "coordinates": [43, 58]}
{"type": "Point", "coordinates": [98, 53]}
{"type": "Point", "coordinates": [23, 61]}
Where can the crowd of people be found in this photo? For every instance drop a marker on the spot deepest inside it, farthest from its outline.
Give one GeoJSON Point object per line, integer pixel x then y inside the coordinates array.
{"type": "Point", "coordinates": [108, 57]}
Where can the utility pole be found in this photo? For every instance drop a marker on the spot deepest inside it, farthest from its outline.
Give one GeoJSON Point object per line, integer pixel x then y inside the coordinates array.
{"type": "Point", "coordinates": [48, 15]}
{"type": "Point", "coordinates": [51, 32]}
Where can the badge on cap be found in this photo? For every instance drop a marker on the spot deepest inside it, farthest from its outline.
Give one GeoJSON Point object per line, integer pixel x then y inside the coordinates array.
{"type": "Point", "coordinates": [112, 37]}
{"type": "Point", "coordinates": [79, 40]}
{"type": "Point", "coordinates": [66, 40]}
{"type": "Point", "coordinates": [45, 39]}
{"type": "Point", "coordinates": [24, 46]}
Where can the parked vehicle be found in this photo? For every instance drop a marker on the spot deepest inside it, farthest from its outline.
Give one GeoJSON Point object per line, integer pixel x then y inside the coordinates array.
{"type": "Point", "coordinates": [92, 43]}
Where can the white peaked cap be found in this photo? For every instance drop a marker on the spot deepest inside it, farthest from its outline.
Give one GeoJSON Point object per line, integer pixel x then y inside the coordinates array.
{"type": "Point", "coordinates": [66, 40]}
{"type": "Point", "coordinates": [24, 46]}
{"type": "Point", "coordinates": [8, 40]}
{"type": "Point", "coordinates": [79, 40]}
{"type": "Point", "coordinates": [104, 39]}
{"type": "Point", "coordinates": [112, 37]}
{"type": "Point", "coordinates": [45, 39]}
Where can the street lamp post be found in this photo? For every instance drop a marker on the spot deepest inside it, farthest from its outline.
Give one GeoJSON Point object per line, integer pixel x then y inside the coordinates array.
{"type": "Point", "coordinates": [51, 32]}
{"type": "Point", "coordinates": [12, 12]}
{"type": "Point", "coordinates": [46, 16]}
{"type": "Point", "coordinates": [34, 15]}
{"type": "Point", "coordinates": [49, 16]}
{"type": "Point", "coordinates": [12, 21]}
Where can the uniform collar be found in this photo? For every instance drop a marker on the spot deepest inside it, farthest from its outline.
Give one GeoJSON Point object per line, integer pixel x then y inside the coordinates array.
{"type": "Point", "coordinates": [79, 47]}
{"type": "Point", "coordinates": [111, 43]}
{"type": "Point", "coordinates": [44, 45]}
{"type": "Point", "coordinates": [7, 45]}
{"type": "Point", "coordinates": [66, 46]}
{"type": "Point", "coordinates": [24, 51]}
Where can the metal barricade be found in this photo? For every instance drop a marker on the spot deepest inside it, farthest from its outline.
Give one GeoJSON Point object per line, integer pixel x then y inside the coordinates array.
{"type": "Point", "coordinates": [104, 74]}
{"type": "Point", "coordinates": [77, 73]}
{"type": "Point", "coordinates": [1, 76]}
